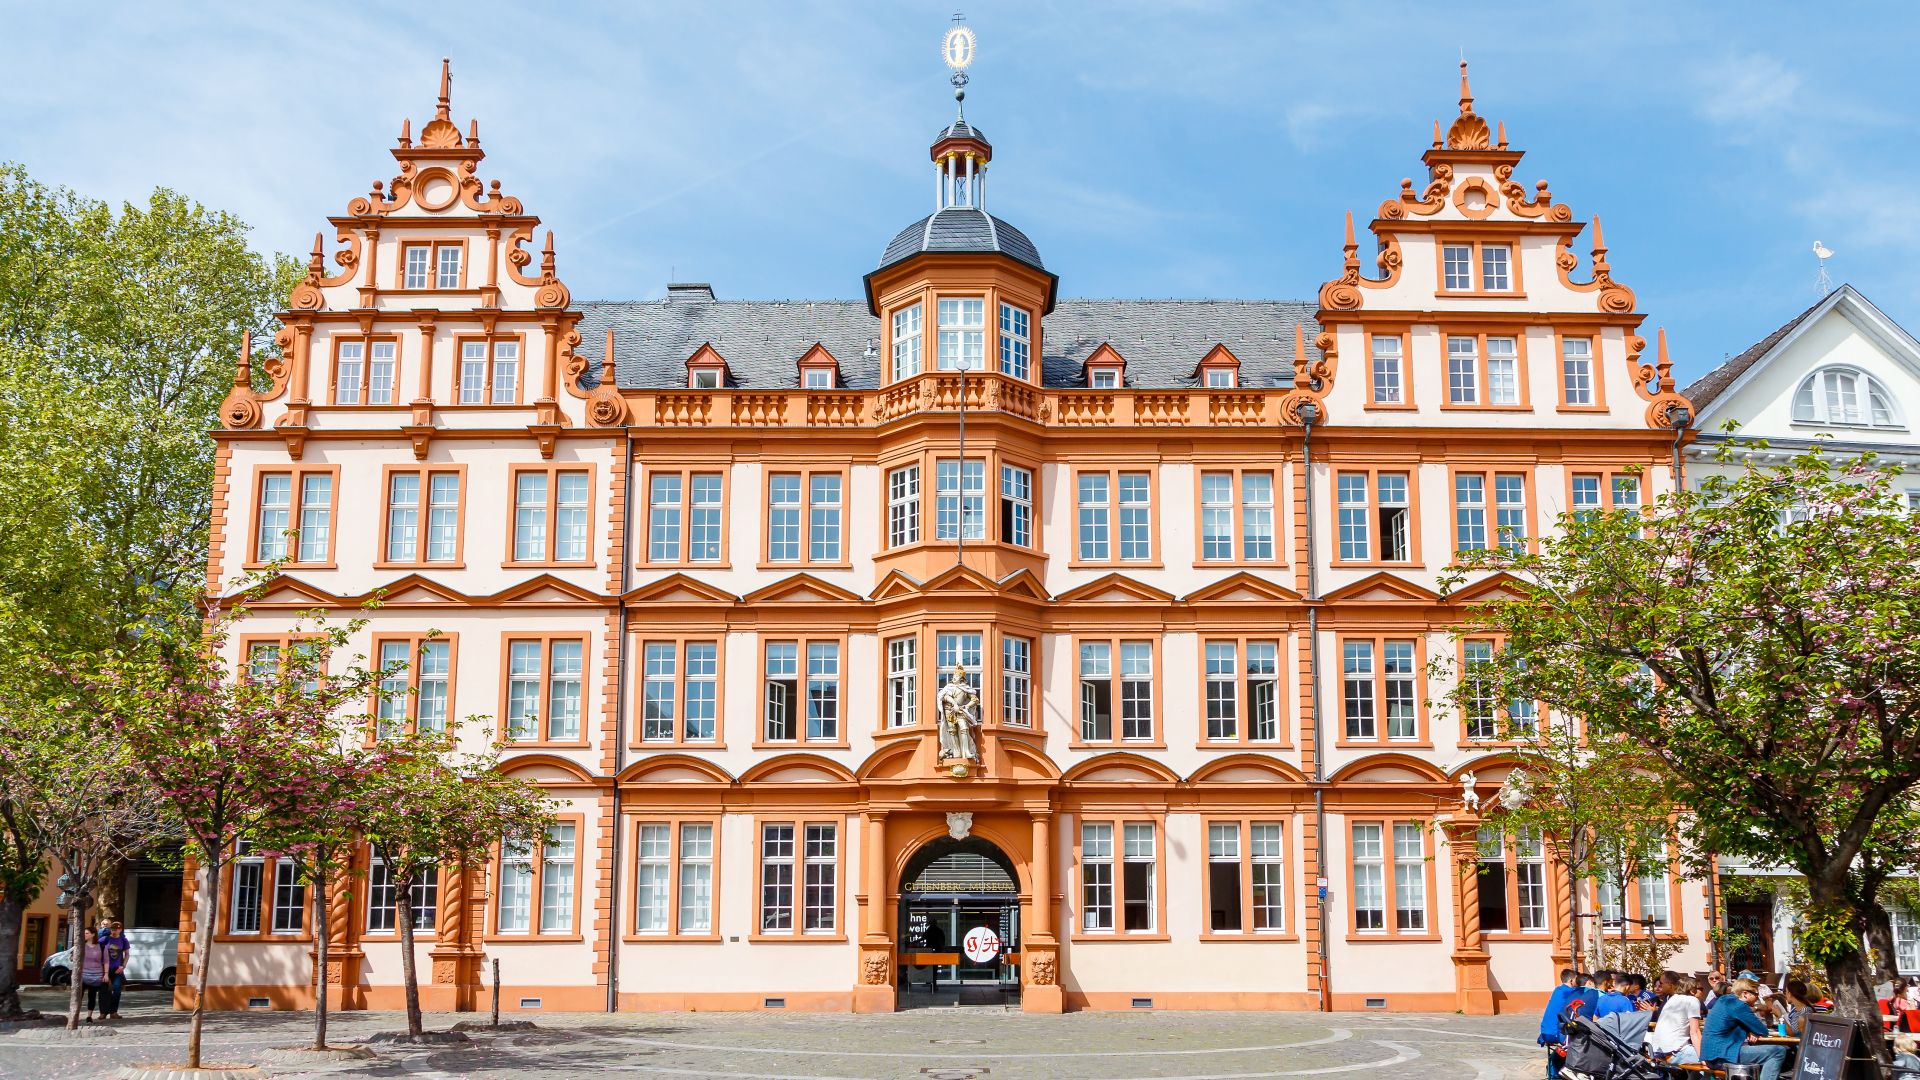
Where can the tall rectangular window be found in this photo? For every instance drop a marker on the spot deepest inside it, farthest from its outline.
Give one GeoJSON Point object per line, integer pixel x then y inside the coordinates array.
{"type": "Point", "coordinates": [276, 508]}
{"type": "Point", "coordinates": [1096, 691]}
{"type": "Point", "coordinates": [382, 898]}
{"type": "Point", "coordinates": [1576, 370]}
{"type": "Point", "coordinates": [1094, 519]}
{"type": "Point", "coordinates": [473, 372]}
{"type": "Point", "coordinates": [1256, 516]}
{"type": "Point", "coordinates": [417, 266]}
{"type": "Point", "coordinates": [247, 884]}
{"type": "Point", "coordinates": [1139, 878]}
{"type": "Point", "coordinates": [557, 860]}
{"type": "Point", "coordinates": [1495, 267]}
{"type": "Point", "coordinates": [1481, 713]}
{"type": "Point", "coordinates": [1016, 506]}
{"type": "Point", "coordinates": [1395, 517]}
{"type": "Point", "coordinates": [1369, 879]}
{"type": "Point", "coordinates": [1409, 877]}
{"type": "Point", "coordinates": [523, 690]}
{"type": "Point", "coordinates": [1510, 511]}
{"type": "Point", "coordinates": [570, 516]}
{"type": "Point", "coordinates": [430, 685]}
{"type": "Point", "coordinates": [1269, 865]}
{"type": "Point", "coordinates": [960, 499]}
{"type": "Point", "coordinates": [1586, 495]}
{"type": "Point", "coordinates": [1096, 876]}
{"type": "Point", "coordinates": [962, 335]}
{"type": "Point", "coordinates": [820, 901]}
{"type": "Point", "coordinates": [530, 516]}
{"type": "Point", "coordinates": [814, 863]}
{"type": "Point", "coordinates": [506, 372]}
{"type": "Point", "coordinates": [1388, 382]}
{"type": "Point", "coordinates": [380, 373]}
{"type": "Point", "coordinates": [823, 690]}
{"type": "Point", "coordinates": [514, 911]}
{"type": "Point", "coordinates": [1492, 878]}
{"type": "Point", "coordinates": [415, 684]}
{"type": "Point", "coordinates": [1014, 346]}
{"type": "Point", "coordinates": [696, 877]}
{"type": "Point", "coordinates": [1136, 517]}
{"type": "Point", "coordinates": [316, 517]}
{"type": "Point", "coordinates": [1223, 689]}
{"type": "Point", "coordinates": [1016, 681]}
{"type": "Point", "coordinates": [289, 897]}
{"type": "Point", "coordinates": [783, 517]}
{"type": "Point", "coordinates": [442, 517]}
{"type": "Point", "coordinates": [1354, 512]}
{"type": "Point", "coordinates": [1358, 523]}
{"type": "Point", "coordinates": [1469, 512]}
{"type": "Point", "coordinates": [1136, 690]}
{"type": "Point", "coordinates": [349, 369]}
{"type": "Point", "coordinates": [700, 690]}
{"type": "Point", "coordinates": [903, 689]}
{"type": "Point", "coordinates": [390, 710]}
{"type": "Point", "coordinates": [907, 342]}
{"type": "Point", "coordinates": [823, 517]}
{"type": "Point", "coordinates": [704, 512]}
{"type": "Point", "coordinates": [1463, 371]}
{"type": "Point", "coordinates": [663, 517]}
{"type": "Point", "coordinates": [903, 506]}
{"type": "Point", "coordinates": [1223, 878]}
{"type": "Point", "coordinates": [1503, 371]}
{"type": "Point", "coordinates": [446, 268]}
{"type": "Point", "coordinates": [1654, 906]}
{"type": "Point", "coordinates": [1357, 695]}
{"type": "Point", "coordinates": [653, 879]}
{"type": "Point", "coordinates": [1400, 676]}
{"type": "Point", "coordinates": [1456, 263]}
{"type": "Point", "coordinates": [1216, 516]}
{"type": "Point", "coordinates": [1530, 880]}
{"type": "Point", "coordinates": [279, 510]}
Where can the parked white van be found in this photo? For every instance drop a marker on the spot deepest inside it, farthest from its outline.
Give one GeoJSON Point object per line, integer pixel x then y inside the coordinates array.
{"type": "Point", "coordinates": [151, 960]}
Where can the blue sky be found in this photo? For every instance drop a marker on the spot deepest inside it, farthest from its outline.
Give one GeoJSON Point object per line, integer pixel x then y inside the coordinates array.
{"type": "Point", "coordinates": [1150, 149]}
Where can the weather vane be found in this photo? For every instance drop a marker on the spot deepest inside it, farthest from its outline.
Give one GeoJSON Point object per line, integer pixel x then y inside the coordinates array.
{"type": "Point", "coordinates": [956, 48]}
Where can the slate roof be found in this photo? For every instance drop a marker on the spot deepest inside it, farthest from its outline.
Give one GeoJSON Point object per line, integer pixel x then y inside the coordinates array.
{"type": "Point", "coordinates": [960, 129]}
{"type": "Point", "coordinates": [762, 340]}
{"type": "Point", "coordinates": [961, 228]}
{"type": "Point", "coordinates": [1714, 383]}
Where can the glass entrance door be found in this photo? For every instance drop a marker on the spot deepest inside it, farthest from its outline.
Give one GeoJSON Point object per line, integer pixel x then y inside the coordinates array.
{"type": "Point", "coordinates": [935, 967]}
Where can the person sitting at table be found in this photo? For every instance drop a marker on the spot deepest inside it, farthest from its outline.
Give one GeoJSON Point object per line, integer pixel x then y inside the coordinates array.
{"type": "Point", "coordinates": [1906, 1053]}
{"type": "Point", "coordinates": [1674, 1038]}
{"type": "Point", "coordinates": [1792, 1007]}
{"type": "Point", "coordinates": [1716, 987]}
{"type": "Point", "coordinates": [1614, 997]}
{"type": "Point", "coordinates": [1726, 1037]}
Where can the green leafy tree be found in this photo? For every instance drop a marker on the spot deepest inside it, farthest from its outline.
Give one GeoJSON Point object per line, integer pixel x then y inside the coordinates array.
{"type": "Point", "coordinates": [431, 807]}
{"type": "Point", "coordinates": [1755, 637]}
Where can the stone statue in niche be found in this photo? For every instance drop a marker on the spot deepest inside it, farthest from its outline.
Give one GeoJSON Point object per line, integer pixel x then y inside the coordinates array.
{"type": "Point", "coordinates": [959, 705]}
{"type": "Point", "coordinates": [1469, 792]}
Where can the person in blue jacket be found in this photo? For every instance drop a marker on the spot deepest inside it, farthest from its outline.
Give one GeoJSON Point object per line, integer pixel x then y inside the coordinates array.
{"type": "Point", "coordinates": [1618, 996]}
{"type": "Point", "coordinates": [1550, 1035]}
{"type": "Point", "coordinates": [1731, 1025]}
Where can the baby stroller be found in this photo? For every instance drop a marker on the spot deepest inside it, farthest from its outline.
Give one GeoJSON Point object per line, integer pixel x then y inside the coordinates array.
{"type": "Point", "coordinates": [1609, 1048]}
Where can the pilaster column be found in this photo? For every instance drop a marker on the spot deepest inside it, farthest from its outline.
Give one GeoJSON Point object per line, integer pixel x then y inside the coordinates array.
{"type": "Point", "coordinates": [1472, 992]}
{"type": "Point", "coordinates": [873, 990]}
{"type": "Point", "coordinates": [1039, 948]}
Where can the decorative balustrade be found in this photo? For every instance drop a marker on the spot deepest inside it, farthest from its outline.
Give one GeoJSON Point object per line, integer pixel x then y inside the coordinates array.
{"type": "Point", "coordinates": [940, 392]}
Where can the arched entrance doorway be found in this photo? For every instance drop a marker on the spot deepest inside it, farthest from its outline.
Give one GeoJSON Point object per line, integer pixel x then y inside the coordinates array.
{"type": "Point", "coordinates": [959, 926]}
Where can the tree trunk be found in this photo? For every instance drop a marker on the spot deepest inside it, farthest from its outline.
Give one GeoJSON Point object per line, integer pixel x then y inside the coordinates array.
{"type": "Point", "coordinates": [1573, 901]}
{"type": "Point", "coordinates": [403, 914]}
{"type": "Point", "coordinates": [109, 896]}
{"type": "Point", "coordinates": [1879, 941]}
{"type": "Point", "coordinates": [202, 953]}
{"type": "Point", "coordinates": [1847, 974]}
{"type": "Point", "coordinates": [12, 911]}
{"type": "Point", "coordinates": [321, 935]}
{"type": "Point", "coordinates": [76, 940]}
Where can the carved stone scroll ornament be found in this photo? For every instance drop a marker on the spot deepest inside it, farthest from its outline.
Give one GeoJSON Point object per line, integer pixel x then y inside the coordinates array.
{"type": "Point", "coordinates": [1042, 970]}
{"type": "Point", "coordinates": [874, 968]}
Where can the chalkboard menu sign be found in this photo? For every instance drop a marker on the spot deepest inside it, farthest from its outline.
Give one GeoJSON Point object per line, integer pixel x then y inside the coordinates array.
{"type": "Point", "coordinates": [1829, 1042]}
{"type": "Point", "coordinates": [917, 923]}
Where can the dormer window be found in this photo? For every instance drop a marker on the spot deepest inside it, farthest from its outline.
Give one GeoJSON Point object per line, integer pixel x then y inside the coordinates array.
{"type": "Point", "coordinates": [1839, 395]}
{"type": "Point", "coordinates": [1220, 378]}
{"type": "Point", "coordinates": [907, 344]}
{"type": "Point", "coordinates": [817, 378]}
{"type": "Point", "coordinates": [704, 378]}
{"type": "Point", "coordinates": [1218, 370]}
{"type": "Point", "coordinates": [1104, 378]}
{"type": "Point", "coordinates": [706, 369]}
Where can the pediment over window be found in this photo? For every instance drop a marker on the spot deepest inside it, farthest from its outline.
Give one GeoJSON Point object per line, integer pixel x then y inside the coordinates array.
{"type": "Point", "coordinates": [1121, 769]}
{"type": "Point", "coordinates": [679, 589]}
{"type": "Point", "coordinates": [416, 591]}
{"type": "Point", "coordinates": [282, 592]}
{"type": "Point", "coordinates": [1384, 586]}
{"type": "Point", "coordinates": [797, 769]}
{"type": "Point", "coordinates": [543, 590]}
{"type": "Point", "coordinates": [1500, 586]}
{"type": "Point", "coordinates": [802, 589]}
{"type": "Point", "coordinates": [1242, 587]}
{"type": "Point", "coordinates": [1115, 589]}
{"type": "Point", "coordinates": [1389, 769]}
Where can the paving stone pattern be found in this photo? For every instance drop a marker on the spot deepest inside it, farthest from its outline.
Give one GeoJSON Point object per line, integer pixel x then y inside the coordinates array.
{"type": "Point", "coordinates": [930, 1044]}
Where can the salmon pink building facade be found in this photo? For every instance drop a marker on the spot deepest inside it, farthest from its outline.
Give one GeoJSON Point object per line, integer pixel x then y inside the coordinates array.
{"type": "Point", "coordinates": [964, 642]}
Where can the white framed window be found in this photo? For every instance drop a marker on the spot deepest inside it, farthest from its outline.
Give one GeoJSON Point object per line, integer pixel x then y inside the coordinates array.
{"type": "Point", "coordinates": [962, 334]}
{"type": "Point", "coordinates": [446, 266]}
{"type": "Point", "coordinates": [1268, 857]}
{"type": "Point", "coordinates": [1655, 909]}
{"type": "Point", "coordinates": [684, 509]}
{"type": "Point", "coordinates": [530, 516]}
{"type": "Point", "coordinates": [246, 884]}
{"type": "Point", "coordinates": [1369, 879]}
{"type": "Point", "coordinates": [1463, 371]}
{"type": "Point", "coordinates": [961, 650]}
{"type": "Point", "coordinates": [473, 372]}
{"type": "Point", "coordinates": [903, 506]}
{"type": "Point", "coordinates": [570, 516]}
{"type": "Point", "coordinates": [820, 882]}
{"type": "Point", "coordinates": [418, 266]}
{"type": "Point", "coordinates": [1138, 880]}
{"type": "Point", "coordinates": [1221, 378]}
{"type": "Point", "coordinates": [1014, 347]}
{"type": "Point", "coordinates": [1576, 370]}
{"type": "Point", "coordinates": [663, 517]}
{"type": "Point", "coordinates": [907, 342]}
{"type": "Point", "coordinates": [1096, 877]}
{"type": "Point", "coordinates": [1409, 877]}
{"type": "Point", "coordinates": [1456, 262]}
{"type": "Point", "coordinates": [1223, 689]}
{"type": "Point", "coordinates": [1016, 506]}
{"type": "Point", "coordinates": [1503, 371]}
{"type": "Point", "coordinates": [1395, 520]}
{"type": "Point", "coordinates": [1223, 878]}
{"type": "Point", "coordinates": [403, 516]}
{"type": "Point", "coordinates": [1216, 516]}
{"type": "Point", "coordinates": [703, 378]}
{"type": "Point", "coordinates": [1388, 386]}
{"type": "Point", "coordinates": [653, 880]}
{"type": "Point", "coordinates": [536, 894]}
{"type": "Point", "coordinates": [556, 693]}
{"type": "Point", "coordinates": [960, 499]}
{"type": "Point", "coordinates": [1354, 512]}
{"type": "Point", "coordinates": [1510, 511]}
{"type": "Point", "coordinates": [1495, 267]}
{"type": "Point", "coordinates": [816, 378]}
{"type": "Point", "coordinates": [1136, 517]}
{"type": "Point", "coordinates": [1255, 517]}
{"type": "Point", "coordinates": [1400, 676]}
{"type": "Point", "coordinates": [1103, 379]}
{"type": "Point", "coordinates": [1480, 711]}
{"type": "Point", "coordinates": [430, 685]}
{"type": "Point", "coordinates": [557, 860]}
{"type": "Point", "coordinates": [380, 373]}
{"type": "Point", "coordinates": [1355, 517]}
{"type": "Point", "coordinates": [696, 877]}
{"type": "Point", "coordinates": [523, 690]}
{"type": "Point", "coordinates": [1469, 512]}
{"type": "Point", "coordinates": [784, 700]}
{"type": "Point", "coordinates": [1016, 681]}
{"type": "Point", "coordinates": [382, 898]}
{"type": "Point", "coordinates": [903, 682]}
{"type": "Point", "coordinates": [1840, 395]}
{"type": "Point", "coordinates": [506, 372]}
{"type": "Point", "coordinates": [1357, 695]}
{"type": "Point", "coordinates": [349, 365]}
{"type": "Point", "coordinates": [514, 912]}
{"type": "Point", "coordinates": [814, 863]}
{"type": "Point", "coordinates": [784, 534]}
{"type": "Point", "coordinates": [1906, 940]}
{"type": "Point", "coordinates": [1530, 881]}
{"type": "Point", "coordinates": [1094, 518]}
